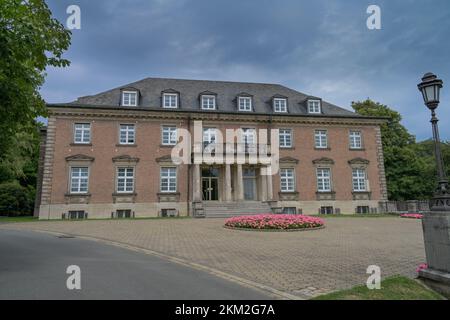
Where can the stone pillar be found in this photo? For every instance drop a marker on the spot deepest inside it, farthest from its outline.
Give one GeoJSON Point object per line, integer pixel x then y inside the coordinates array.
{"type": "Point", "coordinates": [239, 183]}
{"type": "Point", "coordinates": [269, 187]}
{"type": "Point", "coordinates": [263, 187]}
{"type": "Point", "coordinates": [227, 182]}
{"type": "Point", "coordinates": [196, 183]}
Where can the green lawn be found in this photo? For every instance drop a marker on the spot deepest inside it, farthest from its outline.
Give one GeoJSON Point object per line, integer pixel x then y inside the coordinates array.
{"type": "Point", "coordinates": [393, 288]}
{"type": "Point", "coordinates": [18, 219]}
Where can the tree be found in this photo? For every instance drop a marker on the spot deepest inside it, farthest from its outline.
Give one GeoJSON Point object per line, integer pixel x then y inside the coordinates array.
{"type": "Point", "coordinates": [410, 167]}
{"type": "Point", "coordinates": [30, 41]}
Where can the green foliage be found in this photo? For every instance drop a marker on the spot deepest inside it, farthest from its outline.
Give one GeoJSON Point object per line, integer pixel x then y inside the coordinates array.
{"type": "Point", "coordinates": [410, 166]}
{"type": "Point", "coordinates": [30, 41]}
{"type": "Point", "coordinates": [15, 199]}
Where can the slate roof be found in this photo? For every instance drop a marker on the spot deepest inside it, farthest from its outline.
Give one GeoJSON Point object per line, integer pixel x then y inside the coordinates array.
{"type": "Point", "coordinates": [150, 92]}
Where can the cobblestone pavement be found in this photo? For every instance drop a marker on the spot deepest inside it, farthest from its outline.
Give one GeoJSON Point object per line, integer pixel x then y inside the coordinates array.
{"type": "Point", "coordinates": [304, 264]}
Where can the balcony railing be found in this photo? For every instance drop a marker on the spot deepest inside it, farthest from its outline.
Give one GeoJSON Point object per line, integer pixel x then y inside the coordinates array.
{"type": "Point", "coordinates": [236, 148]}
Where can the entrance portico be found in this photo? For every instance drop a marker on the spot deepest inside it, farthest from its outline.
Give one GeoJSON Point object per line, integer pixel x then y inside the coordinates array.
{"type": "Point", "coordinates": [230, 182]}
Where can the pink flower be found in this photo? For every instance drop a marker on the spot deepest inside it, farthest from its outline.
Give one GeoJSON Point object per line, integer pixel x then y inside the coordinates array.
{"type": "Point", "coordinates": [274, 221]}
{"type": "Point", "coordinates": [421, 266]}
{"type": "Point", "coordinates": [412, 215]}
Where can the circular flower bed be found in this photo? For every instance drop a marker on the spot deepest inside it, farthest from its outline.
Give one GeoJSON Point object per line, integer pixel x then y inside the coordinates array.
{"type": "Point", "coordinates": [275, 222]}
{"type": "Point", "coordinates": [412, 215]}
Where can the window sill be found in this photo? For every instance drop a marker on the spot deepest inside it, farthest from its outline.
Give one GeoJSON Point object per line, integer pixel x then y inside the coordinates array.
{"type": "Point", "coordinates": [287, 148]}
{"type": "Point", "coordinates": [75, 144]}
{"type": "Point", "coordinates": [288, 195]}
{"type": "Point", "coordinates": [357, 149]}
{"type": "Point", "coordinates": [167, 145]}
{"type": "Point", "coordinates": [126, 145]}
{"type": "Point", "coordinates": [322, 149]}
{"type": "Point", "coordinates": [361, 195]}
{"type": "Point", "coordinates": [325, 195]}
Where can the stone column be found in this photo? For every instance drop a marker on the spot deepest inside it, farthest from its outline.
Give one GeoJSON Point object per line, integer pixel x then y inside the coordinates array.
{"type": "Point", "coordinates": [227, 182]}
{"type": "Point", "coordinates": [196, 183]}
{"type": "Point", "coordinates": [263, 187]}
{"type": "Point", "coordinates": [269, 187]}
{"type": "Point", "coordinates": [239, 183]}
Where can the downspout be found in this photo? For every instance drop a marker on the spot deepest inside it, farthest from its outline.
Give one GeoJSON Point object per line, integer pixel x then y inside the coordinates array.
{"type": "Point", "coordinates": [189, 170]}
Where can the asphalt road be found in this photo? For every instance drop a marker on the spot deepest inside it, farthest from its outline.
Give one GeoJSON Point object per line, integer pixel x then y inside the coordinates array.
{"type": "Point", "coordinates": [33, 266]}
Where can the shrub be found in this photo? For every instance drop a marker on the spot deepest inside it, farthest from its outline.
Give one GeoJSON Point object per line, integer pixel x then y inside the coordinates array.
{"type": "Point", "coordinates": [274, 221]}
{"type": "Point", "coordinates": [15, 199]}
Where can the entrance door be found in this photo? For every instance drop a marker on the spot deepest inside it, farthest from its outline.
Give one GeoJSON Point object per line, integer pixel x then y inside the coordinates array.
{"type": "Point", "coordinates": [249, 176]}
{"type": "Point", "coordinates": [210, 189]}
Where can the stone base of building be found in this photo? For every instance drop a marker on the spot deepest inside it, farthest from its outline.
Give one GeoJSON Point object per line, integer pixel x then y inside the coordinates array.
{"type": "Point", "coordinates": [158, 209]}
{"type": "Point", "coordinates": [436, 235]}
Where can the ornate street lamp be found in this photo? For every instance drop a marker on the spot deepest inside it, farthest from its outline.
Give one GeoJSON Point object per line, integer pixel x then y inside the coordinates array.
{"type": "Point", "coordinates": [430, 88]}
{"type": "Point", "coordinates": [436, 222]}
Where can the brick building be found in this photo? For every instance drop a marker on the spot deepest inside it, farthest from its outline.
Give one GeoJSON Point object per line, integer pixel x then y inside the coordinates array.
{"type": "Point", "coordinates": [109, 155]}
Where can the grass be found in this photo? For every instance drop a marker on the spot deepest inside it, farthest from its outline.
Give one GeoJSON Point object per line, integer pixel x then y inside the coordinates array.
{"type": "Point", "coordinates": [393, 288]}
{"type": "Point", "coordinates": [18, 219]}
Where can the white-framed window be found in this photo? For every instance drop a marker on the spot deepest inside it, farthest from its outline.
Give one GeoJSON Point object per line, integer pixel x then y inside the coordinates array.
{"type": "Point", "coordinates": [125, 179]}
{"type": "Point", "coordinates": [209, 136]}
{"type": "Point", "coordinates": [314, 106]}
{"type": "Point", "coordinates": [82, 133]}
{"type": "Point", "coordinates": [245, 103]}
{"type": "Point", "coordinates": [127, 134]}
{"type": "Point", "coordinates": [280, 105]}
{"type": "Point", "coordinates": [323, 179]}
{"type": "Point", "coordinates": [285, 137]}
{"type": "Point", "coordinates": [170, 100]}
{"type": "Point", "coordinates": [321, 139]}
{"type": "Point", "coordinates": [249, 139]}
{"type": "Point", "coordinates": [355, 137]}
{"type": "Point", "coordinates": [287, 180]}
{"type": "Point", "coordinates": [79, 179]}
{"type": "Point", "coordinates": [208, 102]}
{"type": "Point", "coordinates": [169, 136]}
{"type": "Point", "coordinates": [129, 98]}
{"type": "Point", "coordinates": [359, 179]}
{"type": "Point", "coordinates": [168, 179]}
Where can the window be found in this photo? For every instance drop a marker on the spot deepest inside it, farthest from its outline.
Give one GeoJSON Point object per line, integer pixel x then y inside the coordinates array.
{"type": "Point", "coordinates": [125, 180]}
{"type": "Point", "coordinates": [245, 104]}
{"type": "Point", "coordinates": [359, 179]}
{"type": "Point", "coordinates": [362, 209]}
{"type": "Point", "coordinates": [129, 98]}
{"type": "Point", "coordinates": [321, 139]}
{"type": "Point", "coordinates": [209, 137]}
{"type": "Point", "coordinates": [355, 139]}
{"type": "Point", "coordinates": [79, 179]}
{"type": "Point", "coordinates": [289, 210]}
{"type": "Point", "coordinates": [323, 179]}
{"type": "Point", "coordinates": [280, 105]}
{"type": "Point", "coordinates": [314, 106]}
{"type": "Point", "coordinates": [285, 136]}
{"type": "Point", "coordinates": [82, 133]}
{"type": "Point", "coordinates": [169, 135]}
{"type": "Point", "coordinates": [76, 214]}
{"type": "Point", "coordinates": [287, 180]}
{"type": "Point", "coordinates": [168, 179]}
{"type": "Point", "coordinates": [326, 210]}
{"type": "Point", "coordinates": [123, 213]}
{"type": "Point", "coordinates": [127, 134]}
{"type": "Point", "coordinates": [170, 100]}
{"type": "Point", "coordinates": [249, 139]}
{"type": "Point", "coordinates": [208, 102]}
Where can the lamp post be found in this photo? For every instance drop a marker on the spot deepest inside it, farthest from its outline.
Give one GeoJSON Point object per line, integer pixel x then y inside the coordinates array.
{"type": "Point", "coordinates": [430, 88]}
{"type": "Point", "coordinates": [436, 222]}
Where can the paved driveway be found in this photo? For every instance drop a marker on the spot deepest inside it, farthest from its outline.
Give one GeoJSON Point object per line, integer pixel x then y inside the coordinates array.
{"type": "Point", "coordinates": [298, 263]}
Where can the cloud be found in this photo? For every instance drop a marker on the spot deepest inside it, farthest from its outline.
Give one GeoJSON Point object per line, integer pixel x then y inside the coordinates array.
{"type": "Point", "coordinates": [318, 47]}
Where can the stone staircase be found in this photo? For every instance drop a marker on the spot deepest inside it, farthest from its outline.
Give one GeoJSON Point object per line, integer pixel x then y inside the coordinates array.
{"type": "Point", "coordinates": [231, 209]}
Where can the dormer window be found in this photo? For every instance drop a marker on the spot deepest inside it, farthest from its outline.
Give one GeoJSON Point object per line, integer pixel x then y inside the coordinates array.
{"type": "Point", "coordinates": [245, 103]}
{"type": "Point", "coordinates": [129, 98]}
{"type": "Point", "coordinates": [314, 106]}
{"type": "Point", "coordinates": [280, 105]}
{"type": "Point", "coordinates": [208, 102]}
{"type": "Point", "coordinates": [170, 100]}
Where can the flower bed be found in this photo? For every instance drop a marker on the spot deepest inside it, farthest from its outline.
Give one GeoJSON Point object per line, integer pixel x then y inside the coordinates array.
{"type": "Point", "coordinates": [274, 222]}
{"type": "Point", "coordinates": [412, 215]}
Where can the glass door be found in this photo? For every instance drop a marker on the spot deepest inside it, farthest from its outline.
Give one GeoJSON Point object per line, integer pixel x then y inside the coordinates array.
{"type": "Point", "coordinates": [249, 177]}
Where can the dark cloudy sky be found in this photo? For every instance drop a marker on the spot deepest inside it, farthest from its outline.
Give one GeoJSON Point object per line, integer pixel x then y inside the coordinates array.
{"type": "Point", "coordinates": [318, 47]}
